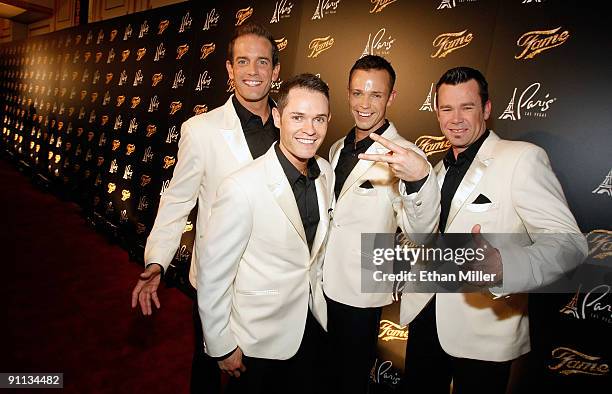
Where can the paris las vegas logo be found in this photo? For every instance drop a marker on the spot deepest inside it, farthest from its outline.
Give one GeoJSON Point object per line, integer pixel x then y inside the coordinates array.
{"type": "Point", "coordinates": [379, 43]}
{"type": "Point", "coordinates": [530, 102]}
{"type": "Point", "coordinates": [605, 187]}
{"type": "Point", "coordinates": [447, 4]}
{"type": "Point", "coordinates": [281, 10]}
{"type": "Point", "coordinates": [325, 7]}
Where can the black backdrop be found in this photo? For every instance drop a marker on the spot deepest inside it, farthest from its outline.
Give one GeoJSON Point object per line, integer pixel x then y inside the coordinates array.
{"type": "Point", "coordinates": [96, 111]}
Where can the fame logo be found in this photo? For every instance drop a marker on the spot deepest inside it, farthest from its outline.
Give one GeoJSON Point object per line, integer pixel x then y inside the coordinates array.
{"type": "Point", "coordinates": [120, 100]}
{"type": "Point", "coordinates": [104, 120]}
{"type": "Point", "coordinates": [153, 104]}
{"type": "Point", "coordinates": [378, 44]}
{"type": "Point", "coordinates": [129, 149]}
{"type": "Point", "coordinates": [116, 145]}
{"type": "Point", "coordinates": [605, 187]}
{"type": "Point", "coordinates": [243, 14]}
{"type": "Point", "coordinates": [75, 75]}
{"type": "Point", "coordinates": [325, 7]}
{"type": "Point", "coordinates": [538, 41]}
{"type": "Point", "coordinates": [128, 32]}
{"type": "Point", "coordinates": [390, 331]}
{"type": "Point", "coordinates": [200, 109]}
{"type": "Point", "coordinates": [109, 77]}
{"type": "Point", "coordinates": [281, 10]}
{"type": "Point", "coordinates": [281, 43]}
{"type": "Point", "coordinates": [113, 35]}
{"type": "Point", "coordinates": [173, 135]}
{"type": "Point", "coordinates": [529, 104]}
{"type": "Point", "coordinates": [169, 161]}
{"type": "Point", "coordinates": [567, 361]}
{"type": "Point", "coordinates": [156, 78]}
{"type": "Point", "coordinates": [111, 187]}
{"type": "Point", "coordinates": [318, 45]}
{"type": "Point", "coordinates": [175, 106]}
{"type": "Point", "coordinates": [431, 145]}
{"type": "Point", "coordinates": [77, 40]}
{"type": "Point", "coordinates": [98, 57]}
{"type": "Point", "coordinates": [206, 50]}
{"type": "Point", "coordinates": [100, 37]}
{"type": "Point", "coordinates": [147, 156]}
{"type": "Point", "coordinates": [118, 123]}
{"type": "Point", "coordinates": [379, 5]}
{"type": "Point", "coordinates": [163, 25]}
{"type": "Point", "coordinates": [181, 50]}
{"type": "Point", "coordinates": [124, 55]}
{"type": "Point", "coordinates": [133, 126]}
{"type": "Point", "coordinates": [111, 56]}
{"type": "Point", "coordinates": [160, 52]}
{"type": "Point", "coordinates": [83, 94]}
{"type": "Point", "coordinates": [94, 97]}
{"type": "Point", "coordinates": [179, 80]}
{"type": "Point", "coordinates": [204, 81]}
{"type": "Point", "coordinates": [185, 23]}
{"type": "Point", "coordinates": [450, 42]}
{"type": "Point", "coordinates": [125, 195]}
{"type": "Point", "coordinates": [140, 54]}
{"type": "Point", "coordinates": [151, 129]}
{"type": "Point", "coordinates": [138, 78]}
{"type": "Point", "coordinates": [430, 100]}
{"type": "Point", "coordinates": [144, 29]}
{"type": "Point", "coordinates": [135, 101]}
{"type": "Point", "coordinates": [188, 227]}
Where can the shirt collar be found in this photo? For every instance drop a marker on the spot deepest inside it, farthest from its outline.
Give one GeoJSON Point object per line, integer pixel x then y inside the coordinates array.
{"type": "Point", "coordinates": [350, 138]}
{"type": "Point", "coordinates": [245, 115]}
{"type": "Point", "coordinates": [468, 155]}
{"type": "Point", "coordinates": [292, 173]}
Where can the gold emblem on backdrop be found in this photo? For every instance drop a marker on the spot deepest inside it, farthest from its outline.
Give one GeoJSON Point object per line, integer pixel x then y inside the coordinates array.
{"type": "Point", "coordinates": [390, 331]}
{"type": "Point", "coordinates": [431, 145]}
{"type": "Point", "coordinates": [151, 129]}
{"type": "Point", "coordinates": [538, 41]}
{"type": "Point", "coordinates": [163, 25]}
{"type": "Point", "coordinates": [175, 106]}
{"type": "Point", "coordinates": [140, 54]}
{"type": "Point", "coordinates": [200, 109]}
{"type": "Point", "coordinates": [379, 5]}
{"type": "Point", "coordinates": [135, 101]}
{"type": "Point", "coordinates": [169, 161]}
{"type": "Point", "coordinates": [129, 149]}
{"type": "Point", "coordinates": [116, 144]}
{"type": "Point", "coordinates": [124, 55]}
{"type": "Point", "coordinates": [600, 244]}
{"type": "Point", "coordinates": [125, 195]}
{"type": "Point", "coordinates": [104, 120]}
{"type": "Point", "coordinates": [94, 97]}
{"type": "Point", "coordinates": [156, 78]}
{"type": "Point", "coordinates": [145, 180]}
{"type": "Point", "coordinates": [86, 56]}
{"type": "Point", "coordinates": [120, 100]}
{"type": "Point", "coordinates": [319, 44]}
{"type": "Point", "coordinates": [188, 227]}
{"type": "Point", "coordinates": [181, 50]}
{"type": "Point", "coordinates": [567, 361]}
{"type": "Point", "coordinates": [450, 42]}
{"type": "Point", "coordinates": [243, 14]}
{"type": "Point", "coordinates": [207, 49]}
{"type": "Point", "coordinates": [98, 56]}
{"type": "Point", "coordinates": [113, 35]}
{"type": "Point", "coordinates": [281, 43]}
{"type": "Point", "coordinates": [111, 187]}
{"type": "Point", "coordinates": [109, 78]}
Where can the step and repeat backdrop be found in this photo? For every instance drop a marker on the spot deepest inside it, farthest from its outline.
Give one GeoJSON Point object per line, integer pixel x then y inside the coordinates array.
{"type": "Point", "coordinates": [96, 112]}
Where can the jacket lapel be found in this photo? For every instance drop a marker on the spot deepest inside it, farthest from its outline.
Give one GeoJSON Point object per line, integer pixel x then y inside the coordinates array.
{"type": "Point", "coordinates": [281, 190]}
{"type": "Point", "coordinates": [364, 165]}
{"type": "Point", "coordinates": [232, 133]}
{"type": "Point", "coordinates": [323, 200]}
{"type": "Point", "coordinates": [472, 176]}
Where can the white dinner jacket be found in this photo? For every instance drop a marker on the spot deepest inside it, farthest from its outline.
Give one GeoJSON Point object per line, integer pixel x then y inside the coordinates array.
{"type": "Point", "coordinates": [381, 209]}
{"type": "Point", "coordinates": [527, 201]}
{"type": "Point", "coordinates": [212, 146]}
{"type": "Point", "coordinates": [257, 277]}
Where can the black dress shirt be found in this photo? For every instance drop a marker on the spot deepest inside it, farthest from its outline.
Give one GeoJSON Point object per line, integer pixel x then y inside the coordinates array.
{"type": "Point", "coordinates": [305, 192]}
{"type": "Point", "coordinates": [348, 155]}
{"type": "Point", "coordinates": [259, 136]}
{"type": "Point", "coordinates": [455, 171]}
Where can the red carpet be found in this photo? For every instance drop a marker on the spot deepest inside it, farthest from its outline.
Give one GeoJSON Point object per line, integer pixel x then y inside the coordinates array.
{"type": "Point", "coordinates": [65, 302]}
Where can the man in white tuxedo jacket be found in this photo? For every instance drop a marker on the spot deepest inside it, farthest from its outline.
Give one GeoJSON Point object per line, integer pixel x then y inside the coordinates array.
{"type": "Point", "coordinates": [488, 185]}
{"type": "Point", "coordinates": [259, 275]}
{"type": "Point", "coordinates": [212, 145]}
{"type": "Point", "coordinates": [371, 196]}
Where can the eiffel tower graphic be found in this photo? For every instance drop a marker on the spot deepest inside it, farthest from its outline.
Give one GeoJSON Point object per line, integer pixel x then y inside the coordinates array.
{"type": "Point", "coordinates": [318, 12]}
{"type": "Point", "coordinates": [570, 308]}
{"type": "Point", "coordinates": [446, 4]}
{"type": "Point", "coordinates": [427, 104]}
{"type": "Point", "coordinates": [509, 112]}
{"type": "Point", "coordinates": [606, 186]}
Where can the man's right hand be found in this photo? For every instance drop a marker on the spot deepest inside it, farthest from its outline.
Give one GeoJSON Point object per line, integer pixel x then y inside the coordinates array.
{"type": "Point", "coordinates": [146, 289]}
{"type": "Point", "coordinates": [233, 364]}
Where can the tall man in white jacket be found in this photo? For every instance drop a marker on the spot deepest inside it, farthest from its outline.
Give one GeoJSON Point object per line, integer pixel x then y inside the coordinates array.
{"type": "Point", "coordinates": [259, 275]}
{"type": "Point", "coordinates": [382, 182]}
{"type": "Point", "coordinates": [212, 145]}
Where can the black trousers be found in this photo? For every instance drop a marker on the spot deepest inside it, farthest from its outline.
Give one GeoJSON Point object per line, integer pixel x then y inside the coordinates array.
{"type": "Point", "coordinates": [205, 373]}
{"type": "Point", "coordinates": [302, 373]}
{"type": "Point", "coordinates": [352, 334]}
{"type": "Point", "coordinates": [429, 370]}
